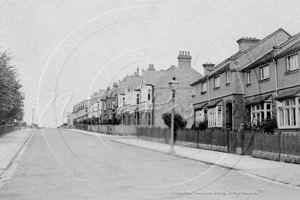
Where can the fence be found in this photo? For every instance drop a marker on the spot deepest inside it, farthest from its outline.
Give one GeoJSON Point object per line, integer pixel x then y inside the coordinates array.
{"type": "Point", "coordinates": [4, 129]}
{"type": "Point", "coordinates": [109, 129]}
{"type": "Point", "coordinates": [278, 146]}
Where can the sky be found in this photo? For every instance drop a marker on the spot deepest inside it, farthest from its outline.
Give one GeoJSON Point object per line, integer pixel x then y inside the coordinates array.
{"type": "Point", "coordinates": [65, 50]}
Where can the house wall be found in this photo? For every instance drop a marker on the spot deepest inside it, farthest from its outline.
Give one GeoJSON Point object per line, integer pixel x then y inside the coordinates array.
{"type": "Point", "coordinates": [287, 79]}
{"type": "Point", "coordinates": [183, 97]}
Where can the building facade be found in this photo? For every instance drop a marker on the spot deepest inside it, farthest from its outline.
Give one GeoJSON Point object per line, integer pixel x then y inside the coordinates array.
{"type": "Point", "coordinates": [245, 86]}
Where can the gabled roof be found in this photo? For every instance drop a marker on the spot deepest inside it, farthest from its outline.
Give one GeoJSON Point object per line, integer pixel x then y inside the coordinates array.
{"type": "Point", "coordinates": [151, 77]}
{"type": "Point", "coordinates": [136, 82]}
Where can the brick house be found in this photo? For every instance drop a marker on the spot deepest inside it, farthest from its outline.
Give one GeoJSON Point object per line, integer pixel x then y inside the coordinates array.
{"type": "Point", "coordinates": [224, 96]}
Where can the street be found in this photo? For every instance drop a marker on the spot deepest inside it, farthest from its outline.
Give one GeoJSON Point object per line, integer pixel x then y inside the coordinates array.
{"type": "Point", "coordinates": [64, 164]}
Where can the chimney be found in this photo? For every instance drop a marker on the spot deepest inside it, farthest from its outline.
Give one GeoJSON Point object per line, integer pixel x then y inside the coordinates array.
{"type": "Point", "coordinates": [246, 42]}
{"type": "Point", "coordinates": [151, 68]}
{"type": "Point", "coordinates": [108, 88]}
{"type": "Point", "coordinates": [208, 67]}
{"type": "Point", "coordinates": [115, 85]}
{"type": "Point", "coordinates": [184, 59]}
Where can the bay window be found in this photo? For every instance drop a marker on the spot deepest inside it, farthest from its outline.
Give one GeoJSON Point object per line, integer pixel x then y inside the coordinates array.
{"type": "Point", "coordinates": [215, 117]}
{"type": "Point", "coordinates": [288, 113]}
{"type": "Point", "coordinates": [261, 111]}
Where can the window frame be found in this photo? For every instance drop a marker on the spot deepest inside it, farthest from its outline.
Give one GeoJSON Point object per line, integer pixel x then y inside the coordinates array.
{"type": "Point", "coordinates": [283, 110]}
{"type": "Point", "coordinates": [259, 112]}
{"type": "Point", "coordinates": [249, 78]}
{"type": "Point", "coordinates": [217, 78]}
{"type": "Point", "coordinates": [227, 77]}
{"type": "Point", "coordinates": [288, 63]}
{"type": "Point", "coordinates": [202, 88]}
{"type": "Point", "coordinates": [215, 119]}
{"type": "Point", "coordinates": [262, 72]}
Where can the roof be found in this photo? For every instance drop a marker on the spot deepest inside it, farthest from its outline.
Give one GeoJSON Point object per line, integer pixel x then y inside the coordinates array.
{"type": "Point", "coordinates": [266, 58]}
{"type": "Point", "coordinates": [219, 71]}
{"type": "Point", "coordinates": [291, 49]}
{"type": "Point", "coordinates": [287, 94]}
{"type": "Point", "coordinates": [213, 103]}
{"type": "Point", "coordinates": [151, 77]}
{"type": "Point", "coordinates": [201, 80]}
{"type": "Point", "coordinates": [199, 106]}
{"type": "Point", "coordinates": [136, 82]}
{"type": "Point", "coordinates": [259, 99]}
{"type": "Point", "coordinates": [270, 55]}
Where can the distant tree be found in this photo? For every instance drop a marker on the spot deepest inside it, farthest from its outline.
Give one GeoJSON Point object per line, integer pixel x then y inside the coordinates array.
{"type": "Point", "coordinates": [11, 97]}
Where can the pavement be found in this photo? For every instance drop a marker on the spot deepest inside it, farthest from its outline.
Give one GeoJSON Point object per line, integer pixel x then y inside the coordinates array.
{"type": "Point", "coordinates": [10, 145]}
{"type": "Point", "coordinates": [281, 172]}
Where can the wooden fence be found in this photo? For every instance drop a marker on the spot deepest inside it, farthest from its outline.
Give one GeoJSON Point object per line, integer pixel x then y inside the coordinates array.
{"type": "Point", "coordinates": [278, 146]}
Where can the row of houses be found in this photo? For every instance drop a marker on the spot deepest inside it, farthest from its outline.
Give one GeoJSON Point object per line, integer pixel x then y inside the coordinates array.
{"type": "Point", "coordinates": [261, 80]}
{"type": "Point", "coordinates": [141, 98]}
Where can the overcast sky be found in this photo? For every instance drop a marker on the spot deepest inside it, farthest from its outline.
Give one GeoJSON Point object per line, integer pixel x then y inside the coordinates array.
{"type": "Point", "coordinates": [66, 49]}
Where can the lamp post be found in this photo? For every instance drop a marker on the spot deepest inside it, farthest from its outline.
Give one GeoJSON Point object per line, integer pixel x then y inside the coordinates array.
{"type": "Point", "coordinates": [173, 86]}
{"type": "Point", "coordinates": [32, 119]}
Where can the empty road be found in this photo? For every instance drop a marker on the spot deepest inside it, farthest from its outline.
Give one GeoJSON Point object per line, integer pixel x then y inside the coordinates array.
{"type": "Point", "coordinates": [64, 164]}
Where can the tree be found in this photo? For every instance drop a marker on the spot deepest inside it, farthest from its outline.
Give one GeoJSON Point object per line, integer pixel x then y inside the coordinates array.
{"type": "Point", "coordinates": [11, 97]}
{"type": "Point", "coordinates": [179, 121]}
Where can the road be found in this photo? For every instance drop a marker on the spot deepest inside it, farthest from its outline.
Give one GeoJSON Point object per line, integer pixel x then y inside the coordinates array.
{"type": "Point", "coordinates": [63, 164]}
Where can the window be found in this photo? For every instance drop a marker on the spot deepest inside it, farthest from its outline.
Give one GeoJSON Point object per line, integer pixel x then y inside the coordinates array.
{"type": "Point", "coordinates": [288, 113]}
{"type": "Point", "coordinates": [261, 111]}
{"type": "Point", "coordinates": [149, 95]}
{"type": "Point", "coordinates": [264, 72]}
{"type": "Point", "coordinates": [217, 82]}
{"type": "Point", "coordinates": [123, 101]}
{"type": "Point", "coordinates": [215, 117]}
{"type": "Point", "coordinates": [204, 87]}
{"type": "Point", "coordinates": [227, 74]}
{"type": "Point", "coordinates": [137, 98]}
{"type": "Point", "coordinates": [249, 77]}
{"type": "Point", "coordinates": [292, 63]}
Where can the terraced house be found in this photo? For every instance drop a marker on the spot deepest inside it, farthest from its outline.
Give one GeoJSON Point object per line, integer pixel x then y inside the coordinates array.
{"type": "Point", "coordinates": [245, 86]}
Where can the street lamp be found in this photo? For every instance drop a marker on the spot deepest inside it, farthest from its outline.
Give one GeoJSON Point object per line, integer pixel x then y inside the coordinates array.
{"type": "Point", "coordinates": [173, 86]}
{"type": "Point", "coordinates": [32, 118]}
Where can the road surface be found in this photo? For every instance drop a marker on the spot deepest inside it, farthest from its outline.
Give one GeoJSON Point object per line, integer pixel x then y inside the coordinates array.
{"type": "Point", "coordinates": [64, 164]}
